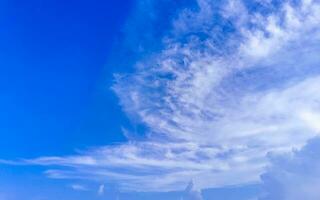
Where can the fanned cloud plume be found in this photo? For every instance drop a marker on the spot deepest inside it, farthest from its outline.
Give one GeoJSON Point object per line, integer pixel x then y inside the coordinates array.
{"type": "Point", "coordinates": [233, 81]}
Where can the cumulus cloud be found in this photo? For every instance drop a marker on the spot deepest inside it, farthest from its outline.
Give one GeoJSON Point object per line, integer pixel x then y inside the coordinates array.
{"type": "Point", "coordinates": [294, 175]}
{"type": "Point", "coordinates": [222, 92]}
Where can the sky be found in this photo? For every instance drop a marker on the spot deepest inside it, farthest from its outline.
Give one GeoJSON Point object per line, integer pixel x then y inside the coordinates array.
{"type": "Point", "coordinates": [160, 99]}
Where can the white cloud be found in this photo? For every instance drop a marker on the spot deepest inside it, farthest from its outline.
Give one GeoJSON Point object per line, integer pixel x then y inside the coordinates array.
{"type": "Point", "coordinates": [101, 190]}
{"type": "Point", "coordinates": [191, 194]}
{"type": "Point", "coordinates": [215, 106]}
{"type": "Point", "coordinates": [295, 175]}
{"type": "Point", "coordinates": [79, 187]}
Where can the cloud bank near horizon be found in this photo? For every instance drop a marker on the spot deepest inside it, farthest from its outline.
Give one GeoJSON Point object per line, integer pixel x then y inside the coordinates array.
{"type": "Point", "coordinates": [233, 81]}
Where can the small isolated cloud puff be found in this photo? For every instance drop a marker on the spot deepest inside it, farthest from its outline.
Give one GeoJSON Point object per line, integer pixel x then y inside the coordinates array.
{"type": "Point", "coordinates": [79, 187]}
{"type": "Point", "coordinates": [294, 176]}
{"type": "Point", "coordinates": [222, 92]}
{"type": "Point", "coordinates": [101, 190]}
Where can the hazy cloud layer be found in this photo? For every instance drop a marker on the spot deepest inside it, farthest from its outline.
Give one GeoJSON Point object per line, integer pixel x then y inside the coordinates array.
{"type": "Point", "coordinates": [234, 81]}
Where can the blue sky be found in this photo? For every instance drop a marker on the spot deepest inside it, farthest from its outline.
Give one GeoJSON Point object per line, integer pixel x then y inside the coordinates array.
{"type": "Point", "coordinates": [54, 75]}
{"type": "Point", "coordinates": [54, 82]}
{"type": "Point", "coordinates": [192, 99]}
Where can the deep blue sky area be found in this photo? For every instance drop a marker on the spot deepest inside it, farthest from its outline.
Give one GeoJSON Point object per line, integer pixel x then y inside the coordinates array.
{"type": "Point", "coordinates": [54, 76]}
{"type": "Point", "coordinates": [55, 79]}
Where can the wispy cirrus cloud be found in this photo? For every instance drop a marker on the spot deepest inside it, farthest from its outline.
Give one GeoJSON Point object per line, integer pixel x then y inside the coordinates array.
{"type": "Point", "coordinates": [234, 81]}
